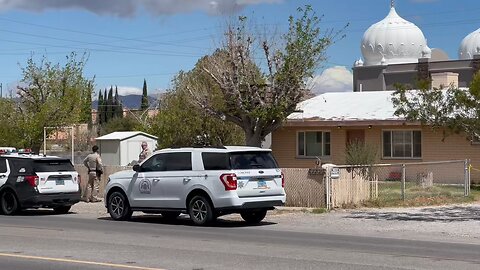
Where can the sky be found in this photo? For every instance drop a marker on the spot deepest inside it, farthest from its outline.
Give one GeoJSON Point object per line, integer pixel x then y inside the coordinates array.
{"type": "Point", "coordinates": [128, 41]}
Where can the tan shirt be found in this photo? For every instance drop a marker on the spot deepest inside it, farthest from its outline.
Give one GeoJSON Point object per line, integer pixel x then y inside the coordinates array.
{"type": "Point", "coordinates": [93, 162]}
{"type": "Point", "coordinates": [144, 155]}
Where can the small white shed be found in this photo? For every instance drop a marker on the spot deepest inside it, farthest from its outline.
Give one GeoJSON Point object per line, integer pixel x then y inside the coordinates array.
{"type": "Point", "coordinates": [123, 147]}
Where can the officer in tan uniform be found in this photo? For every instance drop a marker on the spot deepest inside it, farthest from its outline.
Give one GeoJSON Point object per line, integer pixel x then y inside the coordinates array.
{"type": "Point", "coordinates": [93, 162]}
{"type": "Point", "coordinates": [145, 153]}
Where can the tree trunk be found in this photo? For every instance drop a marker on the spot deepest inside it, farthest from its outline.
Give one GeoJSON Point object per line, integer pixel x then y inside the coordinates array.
{"type": "Point", "coordinates": [253, 139]}
{"type": "Point", "coordinates": [37, 147]}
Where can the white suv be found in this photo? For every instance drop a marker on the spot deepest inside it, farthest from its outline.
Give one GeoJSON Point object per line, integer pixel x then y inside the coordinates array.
{"type": "Point", "coordinates": [203, 182]}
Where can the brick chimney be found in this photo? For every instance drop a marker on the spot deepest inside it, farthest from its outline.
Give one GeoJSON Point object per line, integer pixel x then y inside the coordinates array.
{"type": "Point", "coordinates": [444, 80]}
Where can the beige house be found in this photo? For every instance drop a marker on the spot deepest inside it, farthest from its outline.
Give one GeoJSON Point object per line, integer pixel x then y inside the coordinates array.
{"type": "Point", "coordinates": [326, 123]}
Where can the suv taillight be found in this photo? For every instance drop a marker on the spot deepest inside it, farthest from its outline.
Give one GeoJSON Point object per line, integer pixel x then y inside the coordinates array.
{"type": "Point", "coordinates": [229, 180]}
{"type": "Point", "coordinates": [283, 180]}
{"type": "Point", "coordinates": [32, 180]}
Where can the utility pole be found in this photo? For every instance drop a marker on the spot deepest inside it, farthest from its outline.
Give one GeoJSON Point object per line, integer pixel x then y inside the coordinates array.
{"type": "Point", "coordinates": [1, 90]}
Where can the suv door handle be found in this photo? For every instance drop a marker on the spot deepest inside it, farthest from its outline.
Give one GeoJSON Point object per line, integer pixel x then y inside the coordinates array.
{"type": "Point", "coordinates": [187, 179]}
{"type": "Point", "coordinates": [156, 180]}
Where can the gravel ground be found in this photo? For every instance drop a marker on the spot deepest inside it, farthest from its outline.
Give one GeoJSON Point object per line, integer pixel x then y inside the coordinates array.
{"type": "Point", "coordinates": [453, 223]}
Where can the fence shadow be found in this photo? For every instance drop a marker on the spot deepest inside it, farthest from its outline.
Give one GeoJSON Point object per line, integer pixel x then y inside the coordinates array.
{"type": "Point", "coordinates": [441, 214]}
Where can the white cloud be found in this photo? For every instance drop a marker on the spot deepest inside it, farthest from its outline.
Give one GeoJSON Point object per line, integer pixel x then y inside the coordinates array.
{"type": "Point", "coordinates": [129, 8]}
{"type": "Point", "coordinates": [131, 90]}
{"type": "Point", "coordinates": [334, 79]}
{"type": "Point", "coordinates": [127, 90]}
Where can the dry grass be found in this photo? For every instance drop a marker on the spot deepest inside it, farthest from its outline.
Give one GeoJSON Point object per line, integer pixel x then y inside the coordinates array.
{"type": "Point", "coordinates": [390, 195]}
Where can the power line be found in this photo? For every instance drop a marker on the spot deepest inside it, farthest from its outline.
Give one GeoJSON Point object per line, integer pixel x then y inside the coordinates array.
{"type": "Point", "coordinates": [86, 43]}
{"type": "Point", "coordinates": [118, 38]}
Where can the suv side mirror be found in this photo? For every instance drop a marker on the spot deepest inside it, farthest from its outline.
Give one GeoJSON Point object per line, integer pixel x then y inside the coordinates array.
{"type": "Point", "coordinates": [137, 168]}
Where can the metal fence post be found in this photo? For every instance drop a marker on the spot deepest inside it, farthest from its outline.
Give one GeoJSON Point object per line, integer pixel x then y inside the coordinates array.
{"type": "Point", "coordinates": [469, 175]}
{"type": "Point", "coordinates": [328, 187]}
{"type": "Point", "coordinates": [403, 180]}
{"type": "Point", "coordinates": [466, 168]}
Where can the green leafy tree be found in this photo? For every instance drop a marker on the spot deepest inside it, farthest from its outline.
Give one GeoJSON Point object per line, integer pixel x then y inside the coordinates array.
{"type": "Point", "coordinates": [9, 119]}
{"type": "Point", "coordinates": [180, 123]}
{"type": "Point", "coordinates": [144, 104]}
{"type": "Point", "coordinates": [259, 101]}
{"type": "Point", "coordinates": [49, 95]}
{"type": "Point", "coordinates": [100, 115]}
{"type": "Point", "coordinates": [104, 106]}
{"type": "Point", "coordinates": [128, 123]}
{"type": "Point", "coordinates": [86, 113]}
{"type": "Point", "coordinates": [110, 105]}
{"type": "Point", "coordinates": [451, 110]}
{"type": "Point", "coordinates": [118, 107]}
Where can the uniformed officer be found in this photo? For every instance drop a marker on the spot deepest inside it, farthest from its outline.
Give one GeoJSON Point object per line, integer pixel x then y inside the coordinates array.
{"type": "Point", "coordinates": [145, 153]}
{"type": "Point", "coordinates": [93, 162]}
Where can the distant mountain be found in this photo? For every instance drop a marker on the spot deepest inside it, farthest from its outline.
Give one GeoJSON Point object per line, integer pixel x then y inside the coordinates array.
{"type": "Point", "coordinates": [130, 101]}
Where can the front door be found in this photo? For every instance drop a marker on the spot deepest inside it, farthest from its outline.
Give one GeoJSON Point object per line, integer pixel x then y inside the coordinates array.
{"type": "Point", "coordinates": [355, 136]}
{"type": "Point", "coordinates": [178, 176]}
{"type": "Point", "coordinates": [146, 191]}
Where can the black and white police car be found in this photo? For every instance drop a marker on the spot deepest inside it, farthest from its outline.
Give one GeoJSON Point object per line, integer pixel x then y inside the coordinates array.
{"type": "Point", "coordinates": [34, 181]}
{"type": "Point", "coordinates": [203, 182]}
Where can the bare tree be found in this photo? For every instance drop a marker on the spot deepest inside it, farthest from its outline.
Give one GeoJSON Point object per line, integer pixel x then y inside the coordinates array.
{"type": "Point", "coordinates": [259, 101]}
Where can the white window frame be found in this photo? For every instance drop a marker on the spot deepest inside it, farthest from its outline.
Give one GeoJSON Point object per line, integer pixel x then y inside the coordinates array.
{"type": "Point", "coordinates": [305, 142]}
{"type": "Point", "coordinates": [391, 143]}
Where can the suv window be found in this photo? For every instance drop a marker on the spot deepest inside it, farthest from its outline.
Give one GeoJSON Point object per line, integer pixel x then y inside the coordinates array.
{"type": "Point", "coordinates": [238, 160]}
{"type": "Point", "coordinates": [215, 161]}
{"type": "Point", "coordinates": [21, 166]}
{"type": "Point", "coordinates": [252, 160]}
{"type": "Point", "coordinates": [3, 165]}
{"type": "Point", "coordinates": [181, 161]}
{"type": "Point", "coordinates": [61, 165]}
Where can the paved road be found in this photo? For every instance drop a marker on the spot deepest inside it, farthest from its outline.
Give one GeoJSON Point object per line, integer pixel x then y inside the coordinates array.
{"type": "Point", "coordinates": [38, 240]}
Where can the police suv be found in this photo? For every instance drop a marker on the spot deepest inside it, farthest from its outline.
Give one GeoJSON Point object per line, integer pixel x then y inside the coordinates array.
{"type": "Point", "coordinates": [33, 181]}
{"type": "Point", "coordinates": [203, 182]}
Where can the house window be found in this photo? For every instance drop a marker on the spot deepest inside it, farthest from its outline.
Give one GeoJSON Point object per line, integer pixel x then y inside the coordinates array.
{"type": "Point", "coordinates": [313, 143]}
{"type": "Point", "coordinates": [402, 144]}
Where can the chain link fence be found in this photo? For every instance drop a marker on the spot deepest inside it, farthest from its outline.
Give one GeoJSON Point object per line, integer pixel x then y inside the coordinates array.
{"type": "Point", "coordinates": [304, 187]}
{"type": "Point", "coordinates": [344, 186]}
{"type": "Point", "coordinates": [395, 184]}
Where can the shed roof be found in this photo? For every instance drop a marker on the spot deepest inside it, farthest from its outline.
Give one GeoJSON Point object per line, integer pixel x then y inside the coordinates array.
{"type": "Point", "coordinates": [123, 135]}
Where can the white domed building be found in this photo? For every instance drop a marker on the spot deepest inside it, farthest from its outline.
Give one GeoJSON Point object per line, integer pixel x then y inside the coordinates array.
{"type": "Point", "coordinates": [395, 51]}
{"type": "Point", "coordinates": [470, 46]}
{"type": "Point", "coordinates": [393, 40]}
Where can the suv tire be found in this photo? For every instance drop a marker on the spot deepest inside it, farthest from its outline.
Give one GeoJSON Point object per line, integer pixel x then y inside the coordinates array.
{"type": "Point", "coordinates": [8, 203]}
{"type": "Point", "coordinates": [62, 209]}
{"type": "Point", "coordinates": [200, 210]}
{"type": "Point", "coordinates": [118, 206]}
{"type": "Point", "coordinates": [254, 217]}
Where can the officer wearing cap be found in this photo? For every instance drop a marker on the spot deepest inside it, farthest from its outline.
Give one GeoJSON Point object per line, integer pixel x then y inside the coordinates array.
{"type": "Point", "coordinates": [93, 162]}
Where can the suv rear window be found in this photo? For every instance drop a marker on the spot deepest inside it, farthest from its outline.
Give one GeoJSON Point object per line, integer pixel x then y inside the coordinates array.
{"type": "Point", "coordinates": [61, 165]}
{"type": "Point", "coordinates": [239, 160]}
